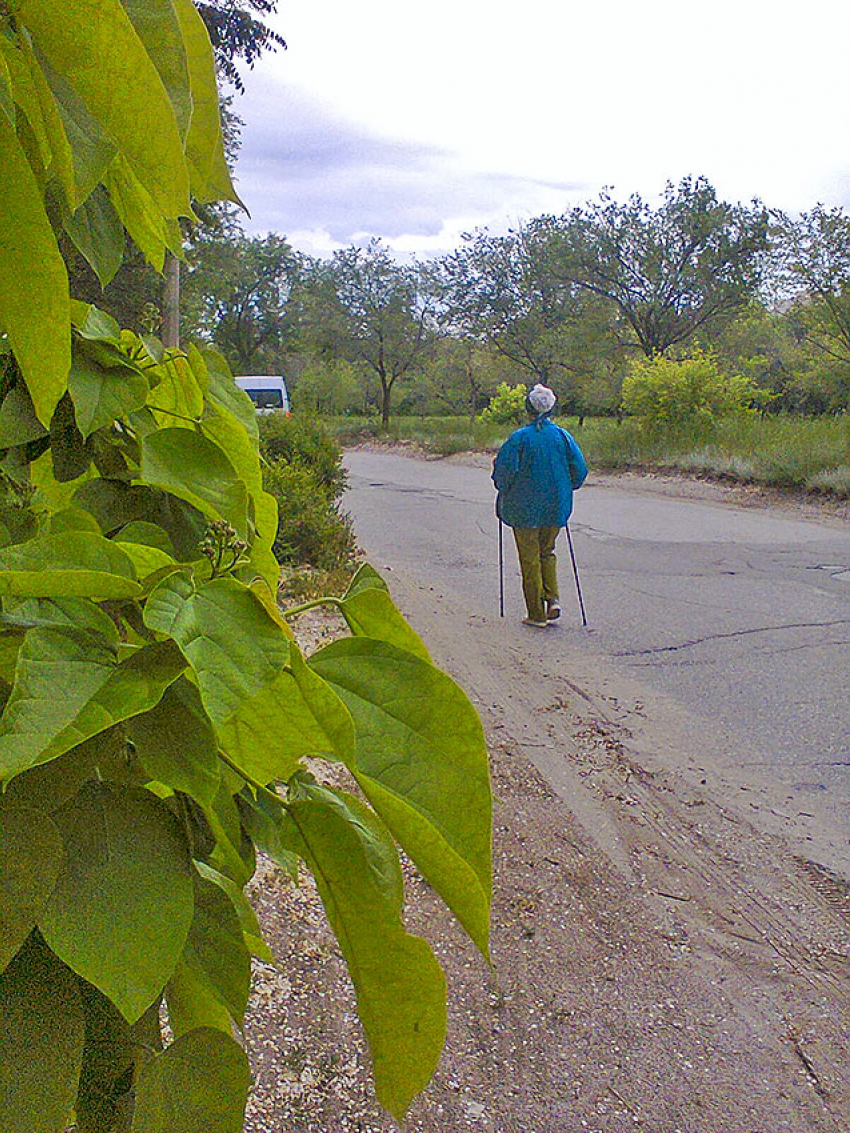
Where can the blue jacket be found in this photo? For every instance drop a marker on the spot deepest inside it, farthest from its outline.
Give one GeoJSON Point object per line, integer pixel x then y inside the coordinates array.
{"type": "Point", "coordinates": [535, 472]}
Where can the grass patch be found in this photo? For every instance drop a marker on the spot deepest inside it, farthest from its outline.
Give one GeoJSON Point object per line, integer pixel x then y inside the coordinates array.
{"type": "Point", "coordinates": [805, 454]}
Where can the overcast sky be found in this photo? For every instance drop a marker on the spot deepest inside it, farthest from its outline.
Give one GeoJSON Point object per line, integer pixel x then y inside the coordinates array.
{"type": "Point", "coordinates": [417, 122]}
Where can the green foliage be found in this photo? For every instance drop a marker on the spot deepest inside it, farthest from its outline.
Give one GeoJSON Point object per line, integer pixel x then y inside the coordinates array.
{"type": "Point", "coordinates": [507, 406]}
{"type": "Point", "coordinates": [663, 392]}
{"type": "Point", "coordinates": [302, 439]}
{"type": "Point", "coordinates": [312, 530]}
{"type": "Point", "coordinates": [157, 711]}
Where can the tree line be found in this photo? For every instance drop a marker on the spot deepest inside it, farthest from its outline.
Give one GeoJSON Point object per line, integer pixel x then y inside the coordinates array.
{"type": "Point", "coordinates": [571, 300]}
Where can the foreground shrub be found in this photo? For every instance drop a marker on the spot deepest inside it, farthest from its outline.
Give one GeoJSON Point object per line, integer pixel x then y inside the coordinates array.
{"type": "Point", "coordinates": [664, 392]}
{"type": "Point", "coordinates": [312, 530]}
{"type": "Point", "coordinates": [301, 439]}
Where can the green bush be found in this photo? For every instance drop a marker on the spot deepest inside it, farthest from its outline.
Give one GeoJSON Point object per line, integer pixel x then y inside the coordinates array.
{"type": "Point", "coordinates": [507, 406]}
{"type": "Point", "coordinates": [664, 392]}
{"type": "Point", "coordinates": [312, 530]}
{"type": "Point", "coordinates": [300, 439]}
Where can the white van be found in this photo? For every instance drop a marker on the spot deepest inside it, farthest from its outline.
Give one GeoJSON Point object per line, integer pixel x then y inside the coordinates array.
{"type": "Point", "coordinates": [268, 392]}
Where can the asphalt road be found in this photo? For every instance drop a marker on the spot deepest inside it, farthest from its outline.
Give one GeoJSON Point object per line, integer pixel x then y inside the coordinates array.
{"type": "Point", "coordinates": [725, 629]}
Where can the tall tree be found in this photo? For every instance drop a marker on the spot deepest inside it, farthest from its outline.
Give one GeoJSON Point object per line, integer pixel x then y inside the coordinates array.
{"type": "Point", "coordinates": [671, 270]}
{"type": "Point", "coordinates": [381, 314]}
{"type": "Point", "coordinates": [507, 291]}
{"type": "Point", "coordinates": [814, 253]}
{"type": "Point", "coordinates": [240, 294]}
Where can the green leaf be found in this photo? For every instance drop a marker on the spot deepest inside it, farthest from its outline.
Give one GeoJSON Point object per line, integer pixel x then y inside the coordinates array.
{"type": "Point", "coordinates": [7, 104]}
{"type": "Point", "coordinates": [176, 744]}
{"type": "Point", "coordinates": [215, 952]}
{"type": "Point", "coordinates": [30, 857]}
{"type": "Point", "coordinates": [113, 1054]}
{"type": "Point", "coordinates": [192, 1003]}
{"type": "Point", "coordinates": [266, 520]}
{"type": "Point", "coordinates": [71, 456]}
{"type": "Point", "coordinates": [234, 646]}
{"type": "Point", "coordinates": [92, 44]}
{"type": "Point", "coordinates": [18, 422]}
{"type": "Point", "coordinates": [226, 395]}
{"type": "Point", "coordinates": [138, 212]}
{"type": "Point", "coordinates": [62, 613]}
{"type": "Point", "coordinates": [148, 535]}
{"type": "Point", "coordinates": [68, 688]}
{"type": "Point", "coordinates": [158, 28]}
{"type": "Point", "coordinates": [422, 763]}
{"type": "Point", "coordinates": [199, 1084]}
{"type": "Point", "coordinates": [210, 177]}
{"type": "Point", "coordinates": [251, 931]}
{"type": "Point", "coordinates": [401, 990]}
{"type": "Point", "coordinates": [147, 560]}
{"type": "Point", "coordinates": [93, 324]}
{"type": "Point", "coordinates": [25, 95]}
{"type": "Point", "coordinates": [50, 785]}
{"type": "Point", "coordinates": [70, 564]}
{"type": "Point", "coordinates": [297, 714]}
{"type": "Point", "coordinates": [104, 393]}
{"type": "Point", "coordinates": [38, 329]}
{"type": "Point", "coordinates": [370, 612]}
{"type": "Point", "coordinates": [122, 906]}
{"type": "Point", "coordinates": [176, 391]}
{"type": "Point", "coordinates": [97, 234]}
{"type": "Point", "coordinates": [195, 470]}
{"type": "Point", "coordinates": [41, 1042]}
{"type": "Point", "coordinates": [232, 854]}
{"type": "Point", "coordinates": [91, 147]}
{"type": "Point", "coordinates": [61, 162]}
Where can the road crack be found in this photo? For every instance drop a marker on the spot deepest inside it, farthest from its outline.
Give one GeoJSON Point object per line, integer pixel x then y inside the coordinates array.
{"type": "Point", "coordinates": [728, 636]}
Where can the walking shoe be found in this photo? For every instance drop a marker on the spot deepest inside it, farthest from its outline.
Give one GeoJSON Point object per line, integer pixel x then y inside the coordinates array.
{"type": "Point", "coordinates": [534, 622]}
{"type": "Point", "coordinates": [553, 611]}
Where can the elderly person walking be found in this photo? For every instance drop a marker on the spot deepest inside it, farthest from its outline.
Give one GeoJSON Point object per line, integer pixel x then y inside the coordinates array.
{"type": "Point", "coordinates": [535, 472]}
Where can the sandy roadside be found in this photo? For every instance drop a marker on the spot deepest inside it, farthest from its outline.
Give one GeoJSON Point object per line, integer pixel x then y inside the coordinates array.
{"type": "Point", "coordinates": [659, 964]}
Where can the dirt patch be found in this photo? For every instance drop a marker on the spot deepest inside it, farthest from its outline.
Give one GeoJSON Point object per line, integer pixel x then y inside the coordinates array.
{"type": "Point", "coordinates": [690, 977]}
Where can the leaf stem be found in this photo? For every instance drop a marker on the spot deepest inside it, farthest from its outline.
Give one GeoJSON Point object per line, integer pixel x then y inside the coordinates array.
{"type": "Point", "coordinates": [273, 796]}
{"type": "Point", "coordinates": [293, 611]}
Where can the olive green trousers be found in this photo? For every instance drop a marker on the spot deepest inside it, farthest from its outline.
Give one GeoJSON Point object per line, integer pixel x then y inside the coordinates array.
{"type": "Point", "coordinates": [536, 550]}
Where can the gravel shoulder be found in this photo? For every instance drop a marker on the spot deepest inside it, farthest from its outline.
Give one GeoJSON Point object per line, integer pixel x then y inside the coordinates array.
{"type": "Point", "coordinates": [658, 962]}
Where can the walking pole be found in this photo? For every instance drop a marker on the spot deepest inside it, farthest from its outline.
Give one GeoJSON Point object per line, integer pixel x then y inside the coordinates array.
{"type": "Point", "coordinates": [501, 574]}
{"type": "Point", "coordinates": [575, 572]}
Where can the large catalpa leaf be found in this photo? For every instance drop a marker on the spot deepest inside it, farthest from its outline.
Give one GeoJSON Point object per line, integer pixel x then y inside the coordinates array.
{"type": "Point", "coordinates": [208, 172]}
{"type": "Point", "coordinates": [176, 745]}
{"type": "Point", "coordinates": [225, 633]}
{"type": "Point", "coordinates": [104, 387]}
{"type": "Point", "coordinates": [30, 857]}
{"type": "Point", "coordinates": [69, 687]}
{"type": "Point", "coordinates": [370, 612]}
{"type": "Point", "coordinates": [199, 1084]}
{"type": "Point", "coordinates": [41, 1042]}
{"type": "Point", "coordinates": [196, 470]}
{"type": "Point", "coordinates": [93, 45]}
{"type": "Point", "coordinates": [38, 329]}
{"type": "Point", "coordinates": [158, 28]}
{"type": "Point", "coordinates": [121, 909]}
{"type": "Point", "coordinates": [401, 990]}
{"type": "Point", "coordinates": [68, 564]}
{"type": "Point", "coordinates": [298, 714]}
{"type": "Point", "coordinates": [422, 762]}
{"type": "Point", "coordinates": [215, 962]}
{"type": "Point", "coordinates": [98, 234]}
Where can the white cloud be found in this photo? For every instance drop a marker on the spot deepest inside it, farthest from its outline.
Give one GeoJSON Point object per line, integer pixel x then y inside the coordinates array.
{"type": "Point", "coordinates": [414, 123]}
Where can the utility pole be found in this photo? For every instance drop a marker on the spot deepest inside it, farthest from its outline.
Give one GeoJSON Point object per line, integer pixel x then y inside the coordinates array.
{"type": "Point", "coordinates": [171, 302]}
